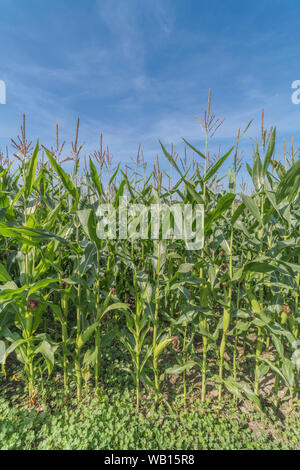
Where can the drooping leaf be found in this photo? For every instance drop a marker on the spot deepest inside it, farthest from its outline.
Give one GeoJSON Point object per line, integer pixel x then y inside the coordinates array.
{"type": "Point", "coordinates": [31, 172]}
{"type": "Point", "coordinates": [63, 176]}
{"type": "Point", "coordinates": [4, 276]}
{"type": "Point", "coordinates": [251, 205]}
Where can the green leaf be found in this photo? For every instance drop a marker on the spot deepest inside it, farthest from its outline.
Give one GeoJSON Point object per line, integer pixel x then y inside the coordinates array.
{"type": "Point", "coordinates": [240, 209]}
{"type": "Point", "coordinates": [270, 152]}
{"type": "Point", "coordinates": [185, 268]}
{"type": "Point", "coordinates": [88, 221]}
{"type": "Point", "coordinates": [41, 284]}
{"type": "Point", "coordinates": [252, 207]}
{"type": "Point", "coordinates": [233, 387]}
{"type": "Point", "coordinates": [159, 348]}
{"type": "Point", "coordinates": [213, 169]}
{"type": "Point", "coordinates": [194, 149]}
{"type": "Point", "coordinates": [257, 172]}
{"type": "Point", "coordinates": [286, 185]}
{"type": "Point", "coordinates": [115, 174]}
{"type": "Point", "coordinates": [262, 370]}
{"type": "Point", "coordinates": [178, 369]}
{"type": "Point", "coordinates": [2, 352]}
{"type": "Point", "coordinates": [288, 372]}
{"type": "Point", "coordinates": [27, 235]}
{"type": "Point", "coordinates": [279, 167]}
{"type": "Point", "coordinates": [16, 344]}
{"type": "Point", "coordinates": [257, 267]}
{"type": "Point", "coordinates": [4, 276]}
{"type": "Point", "coordinates": [8, 292]}
{"type": "Point", "coordinates": [85, 336]}
{"type": "Point", "coordinates": [95, 179]}
{"type": "Point", "coordinates": [31, 172]}
{"type": "Point", "coordinates": [275, 369]}
{"type": "Point", "coordinates": [251, 396]}
{"type": "Point", "coordinates": [47, 351]}
{"type": "Point", "coordinates": [223, 205]}
{"type": "Point", "coordinates": [190, 188]}
{"type": "Point", "coordinates": [116, 306]}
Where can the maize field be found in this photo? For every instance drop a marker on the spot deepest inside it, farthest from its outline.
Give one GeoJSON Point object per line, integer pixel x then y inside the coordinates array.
{"type": "Point", "coordinates": [222, 320]}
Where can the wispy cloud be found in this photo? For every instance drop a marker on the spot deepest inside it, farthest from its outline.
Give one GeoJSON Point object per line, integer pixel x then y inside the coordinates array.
{"type": "Point", "coordinates": [140, 71]}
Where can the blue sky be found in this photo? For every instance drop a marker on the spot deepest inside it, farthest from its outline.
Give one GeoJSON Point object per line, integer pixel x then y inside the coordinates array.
{"type": "Point", "coordinates": [139, 71]}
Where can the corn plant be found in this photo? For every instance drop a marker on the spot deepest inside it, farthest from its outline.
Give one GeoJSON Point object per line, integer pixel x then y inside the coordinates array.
{"type": "Point", "coordinates": [224, 317]}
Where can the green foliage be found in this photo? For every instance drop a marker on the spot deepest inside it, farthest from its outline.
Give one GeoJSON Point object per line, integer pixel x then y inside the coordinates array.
{"type": "Point", "coordinates": [226, 315]}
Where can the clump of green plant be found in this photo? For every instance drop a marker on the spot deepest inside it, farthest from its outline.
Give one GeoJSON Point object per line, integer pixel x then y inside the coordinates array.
{"type": "Point", "coordinates": [111, 422]}
{"type": "Point", "coordinates": [226, 315]}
